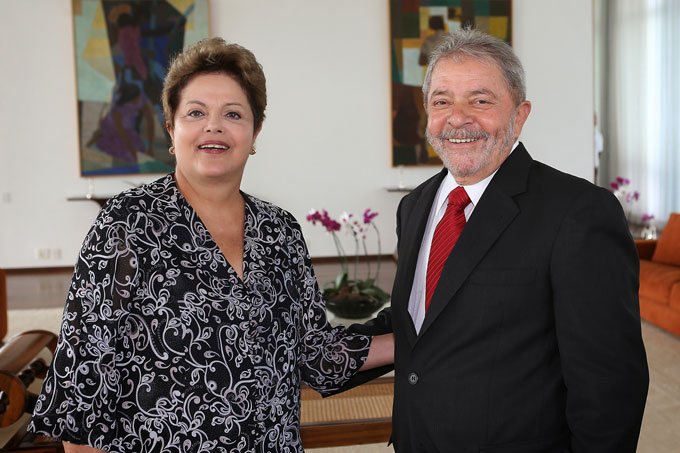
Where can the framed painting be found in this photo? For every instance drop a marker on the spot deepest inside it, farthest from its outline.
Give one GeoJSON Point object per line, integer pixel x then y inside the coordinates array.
{"type": "Point", "coordinates": [122, 50]}
{"type": "Point", "coordinates": [416, 26]}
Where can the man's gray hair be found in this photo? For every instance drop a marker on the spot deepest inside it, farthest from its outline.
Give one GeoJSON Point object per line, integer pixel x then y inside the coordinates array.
{"type": "Point", "coordinates": [479, 45]}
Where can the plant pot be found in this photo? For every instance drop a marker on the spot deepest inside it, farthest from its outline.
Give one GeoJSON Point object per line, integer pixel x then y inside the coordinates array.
{"type": "Point", "coordinates": [353, 308]}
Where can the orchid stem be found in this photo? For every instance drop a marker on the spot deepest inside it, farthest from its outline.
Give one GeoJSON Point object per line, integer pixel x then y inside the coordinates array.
{"type": "Point", "coordinates": [341, 252]}
{"type": "Point", "coordinates": [368, 261]}
{"type": "Point", "coordinates": [377, 271]}
{"type": "Point", "coordinates": [356, 258]}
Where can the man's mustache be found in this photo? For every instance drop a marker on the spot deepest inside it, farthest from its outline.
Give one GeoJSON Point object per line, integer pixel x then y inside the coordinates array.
{"type": "Point", "coordinates": [463, 134]}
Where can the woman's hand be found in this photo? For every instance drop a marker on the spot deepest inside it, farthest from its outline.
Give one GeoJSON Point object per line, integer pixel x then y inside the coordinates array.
{"type": "Point", "coordinates": [381, 352]}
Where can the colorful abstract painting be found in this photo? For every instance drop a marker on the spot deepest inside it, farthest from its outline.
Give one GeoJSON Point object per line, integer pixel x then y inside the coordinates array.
{"type": "Point", "coordinates": [415, 28]}
{"type": "Point", "coordinates": [122, 51]}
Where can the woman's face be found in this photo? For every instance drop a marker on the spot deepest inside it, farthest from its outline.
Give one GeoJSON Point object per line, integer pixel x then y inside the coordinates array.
{"type": "Point", "coordinates": [213, 130]}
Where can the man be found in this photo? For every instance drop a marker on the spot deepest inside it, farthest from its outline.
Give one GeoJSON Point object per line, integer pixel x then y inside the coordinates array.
{"type": "Point", "coordinates": [529, 338]}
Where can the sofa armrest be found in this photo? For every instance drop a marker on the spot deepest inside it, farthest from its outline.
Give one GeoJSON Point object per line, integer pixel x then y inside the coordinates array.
{"type": "Point", "coordinates": [645, 248]}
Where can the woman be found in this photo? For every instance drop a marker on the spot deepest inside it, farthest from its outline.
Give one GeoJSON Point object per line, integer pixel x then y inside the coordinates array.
{"type": "Point", "coordinates": [194, 314]}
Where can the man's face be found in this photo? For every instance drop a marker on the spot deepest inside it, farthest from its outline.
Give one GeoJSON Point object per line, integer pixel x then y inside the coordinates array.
{"type": "Point", "coordinates": [472, 118]}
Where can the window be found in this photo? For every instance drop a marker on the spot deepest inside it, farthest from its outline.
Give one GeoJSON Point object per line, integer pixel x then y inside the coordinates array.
{"type": "Point", "coordinates": [638, 99]}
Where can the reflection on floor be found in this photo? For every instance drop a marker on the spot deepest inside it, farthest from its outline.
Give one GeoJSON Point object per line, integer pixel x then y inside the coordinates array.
{"type": "Point", "coordinates": [660, 427]}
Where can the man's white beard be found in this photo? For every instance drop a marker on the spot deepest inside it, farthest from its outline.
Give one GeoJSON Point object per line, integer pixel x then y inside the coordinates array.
{"type": "Point", "coordinates": [438, 143]}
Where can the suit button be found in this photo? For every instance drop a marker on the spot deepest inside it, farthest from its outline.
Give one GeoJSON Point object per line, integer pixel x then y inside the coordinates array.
{"type": "Point", "coordinates": [413, 378]}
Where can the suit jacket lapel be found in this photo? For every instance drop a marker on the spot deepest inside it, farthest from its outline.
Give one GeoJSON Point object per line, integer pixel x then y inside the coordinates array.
{"type": "Point", "coordinates": [494, 212]}
{"type": "Point", "coordinates": [411, 236]}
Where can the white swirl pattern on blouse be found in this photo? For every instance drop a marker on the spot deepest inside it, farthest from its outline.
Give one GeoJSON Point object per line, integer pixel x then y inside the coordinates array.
{"type": "Point", "coordinates": [164, 349]}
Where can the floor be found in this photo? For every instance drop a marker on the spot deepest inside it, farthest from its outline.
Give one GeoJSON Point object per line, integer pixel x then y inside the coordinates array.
{"type": "Point", "coordinates": [35, 301]}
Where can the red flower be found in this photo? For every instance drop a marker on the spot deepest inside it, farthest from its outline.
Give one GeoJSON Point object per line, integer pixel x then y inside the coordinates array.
{"type": "Point", "coordinates": [369, 215]}
{"type": "Point", "coordinates": [322, 217]}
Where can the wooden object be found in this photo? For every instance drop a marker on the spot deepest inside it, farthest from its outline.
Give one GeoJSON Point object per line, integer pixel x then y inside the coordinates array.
{"type": "Point", "coordinates": [22, 349]}
{"type": "Point", "coordinates": [3, 305]}
{"type": "Point", "coordinates": [362, 415]}
{"type": "Point", "coordinates": [19, 367]}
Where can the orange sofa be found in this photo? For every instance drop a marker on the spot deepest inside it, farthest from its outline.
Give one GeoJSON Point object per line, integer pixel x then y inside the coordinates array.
{"type": "Point", "coordinates": [660, 277]}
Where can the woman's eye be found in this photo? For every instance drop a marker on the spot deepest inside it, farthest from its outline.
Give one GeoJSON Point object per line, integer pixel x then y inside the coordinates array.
{"type": "Point", "coordinates": [195, 114]}
{"type": "Point", "coordinates": [233, 115]}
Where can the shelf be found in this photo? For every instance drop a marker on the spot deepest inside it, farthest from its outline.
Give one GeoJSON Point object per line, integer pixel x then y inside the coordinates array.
{"type": "Point", "coordinates": [100, 200]}
{"type": "Point", "coordinates": [399, 189]}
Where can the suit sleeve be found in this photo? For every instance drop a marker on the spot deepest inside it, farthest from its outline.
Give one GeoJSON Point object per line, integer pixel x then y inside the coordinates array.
{"type": "Point", "coordinates": [595, 278]}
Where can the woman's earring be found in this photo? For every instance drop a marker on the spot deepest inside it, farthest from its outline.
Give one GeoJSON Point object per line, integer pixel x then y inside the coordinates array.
{"type": "Point", "coordinates": [171, 150]}
{"type": "Point", "coordinates": [253, 151]}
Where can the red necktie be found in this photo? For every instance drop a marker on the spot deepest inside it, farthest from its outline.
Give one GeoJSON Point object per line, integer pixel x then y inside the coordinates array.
{"type": "Point", "coordinates": [445, 236]}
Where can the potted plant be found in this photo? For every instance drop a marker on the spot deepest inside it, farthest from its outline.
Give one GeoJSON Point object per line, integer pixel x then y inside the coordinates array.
{"type": "Point", "coordinates": [626, 196]}
{"type": "Point", "coordinates": [354, 297]}
{"type": "Point", "coordinates": [640, 227]}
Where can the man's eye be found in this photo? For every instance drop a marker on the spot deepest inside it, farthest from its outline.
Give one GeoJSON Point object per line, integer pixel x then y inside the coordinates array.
{"type": "Point", "coordinates": [234, 115]}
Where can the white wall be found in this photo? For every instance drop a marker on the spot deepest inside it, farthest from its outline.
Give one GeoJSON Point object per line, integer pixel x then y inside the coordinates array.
{"type": "Point", "coordinates": [555, 42]}
{"type": "Point", "coordinates": [326, 139]}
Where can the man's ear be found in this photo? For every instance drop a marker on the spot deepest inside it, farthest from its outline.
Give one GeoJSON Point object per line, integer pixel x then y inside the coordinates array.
{"type": "Point", "coordinates": [523, 110]}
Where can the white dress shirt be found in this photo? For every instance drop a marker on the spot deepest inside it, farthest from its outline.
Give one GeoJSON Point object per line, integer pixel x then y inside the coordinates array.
{"type": "Point", "coordinates": [416, 303]}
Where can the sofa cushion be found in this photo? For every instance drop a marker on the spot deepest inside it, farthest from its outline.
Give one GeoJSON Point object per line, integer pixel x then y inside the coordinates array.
{"type": "Point", "coordinates": [660, 315]}
{"type": "Point", "coordinates": [668, 247]}
{"type": "Point", "coordinates": [657, 281]}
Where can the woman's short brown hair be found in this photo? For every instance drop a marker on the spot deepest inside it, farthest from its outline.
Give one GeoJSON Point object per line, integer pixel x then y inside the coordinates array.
{"type": "Point", "coordinates": [215, 55]}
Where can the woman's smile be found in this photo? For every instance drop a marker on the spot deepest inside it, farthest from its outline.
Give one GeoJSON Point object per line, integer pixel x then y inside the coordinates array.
{"type": "Point", "coordinates": [213, 147]}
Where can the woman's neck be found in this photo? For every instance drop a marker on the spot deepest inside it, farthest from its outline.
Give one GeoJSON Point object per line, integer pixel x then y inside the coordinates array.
{"type": "Point", "coordinates": [209, 192]}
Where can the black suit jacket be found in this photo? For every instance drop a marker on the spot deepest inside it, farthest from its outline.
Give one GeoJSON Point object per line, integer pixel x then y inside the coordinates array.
{"type": "Point", "coordinates": [532, 340]}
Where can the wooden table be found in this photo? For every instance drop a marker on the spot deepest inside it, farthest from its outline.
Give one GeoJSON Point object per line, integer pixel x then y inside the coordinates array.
{"type": "Point", "coordinates": [362, 415]}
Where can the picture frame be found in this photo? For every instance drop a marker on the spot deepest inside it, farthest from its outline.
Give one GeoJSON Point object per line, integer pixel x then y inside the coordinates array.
{"type": "Point", "coordinates": [122, 52]}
